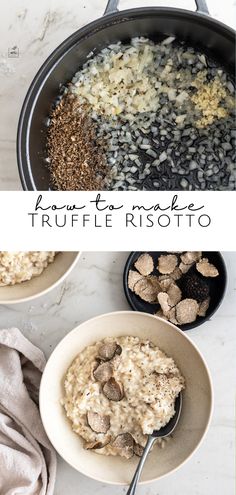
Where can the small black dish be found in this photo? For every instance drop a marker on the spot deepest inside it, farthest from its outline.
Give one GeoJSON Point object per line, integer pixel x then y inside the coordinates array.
{"type": "Point", "coordinates": [217, 286]}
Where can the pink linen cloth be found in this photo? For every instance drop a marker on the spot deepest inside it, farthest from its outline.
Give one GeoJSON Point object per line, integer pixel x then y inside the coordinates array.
{"type": "Point", "coordinates": [27, 459]}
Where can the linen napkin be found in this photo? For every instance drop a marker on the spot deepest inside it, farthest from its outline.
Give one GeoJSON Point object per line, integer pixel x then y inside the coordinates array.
{"type": "Point", "coordinates": [27, 459]}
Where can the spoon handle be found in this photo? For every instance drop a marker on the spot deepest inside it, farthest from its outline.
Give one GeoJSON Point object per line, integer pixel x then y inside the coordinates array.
{"type": "Point", "coordinates": [133, 484]}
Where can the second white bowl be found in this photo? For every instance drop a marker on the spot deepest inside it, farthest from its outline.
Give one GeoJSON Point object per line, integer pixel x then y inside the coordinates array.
{"type": "Point", "coordinates": [52, 276]}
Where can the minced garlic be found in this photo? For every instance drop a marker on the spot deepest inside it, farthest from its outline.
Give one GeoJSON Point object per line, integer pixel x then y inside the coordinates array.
{"type": "Point", "coordinates": [208, 99]}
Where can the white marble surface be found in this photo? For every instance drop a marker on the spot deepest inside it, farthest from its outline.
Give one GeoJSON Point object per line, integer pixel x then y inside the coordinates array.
{"type": "Point", "coordinates": [36, 28]}
{"type": "Point", "coordinates": [95, 287]}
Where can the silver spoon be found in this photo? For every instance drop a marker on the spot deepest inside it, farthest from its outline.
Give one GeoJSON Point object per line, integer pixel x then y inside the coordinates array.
{"type": "Point", "coordinates": [165, 431]}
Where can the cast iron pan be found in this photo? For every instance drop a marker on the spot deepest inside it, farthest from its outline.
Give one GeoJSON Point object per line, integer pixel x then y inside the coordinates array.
{"type": "Point", "coordinates": [196, 28]}
{"type": "Point", "coordinates": [217, 286]}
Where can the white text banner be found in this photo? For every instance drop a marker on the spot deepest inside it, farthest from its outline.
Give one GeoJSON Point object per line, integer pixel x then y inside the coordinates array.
{"type": "Point", "coordinates": [117, 221]}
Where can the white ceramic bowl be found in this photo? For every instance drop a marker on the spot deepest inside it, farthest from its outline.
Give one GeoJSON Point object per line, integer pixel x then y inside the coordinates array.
{"type": "Point", "coordinates": [52, 276]}
{"type": "Point", "coordinates": [197, 398]}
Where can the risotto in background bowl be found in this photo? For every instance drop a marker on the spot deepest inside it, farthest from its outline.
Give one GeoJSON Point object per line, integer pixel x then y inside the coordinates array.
{"type": "Point", "coordinates": [30, 274]}
{"type": "Point", "coordinates": [74, 389]}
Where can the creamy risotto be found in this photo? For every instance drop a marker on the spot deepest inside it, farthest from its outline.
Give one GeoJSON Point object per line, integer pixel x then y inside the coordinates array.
{"type": "Point", "coordinates": [19, 266]}
{"type": "Point", "coordinates": [119, 390]}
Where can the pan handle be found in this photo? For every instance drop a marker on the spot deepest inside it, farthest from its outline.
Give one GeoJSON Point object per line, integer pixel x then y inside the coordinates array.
{"type": "Point", "coordinates": [202, 6]}
{"type": "Point", "coordinates": [112, 6]}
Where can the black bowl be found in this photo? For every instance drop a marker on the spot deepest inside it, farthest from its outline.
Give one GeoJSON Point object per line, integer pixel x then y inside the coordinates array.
{"type": "Point", "coordinates": [217, 286]}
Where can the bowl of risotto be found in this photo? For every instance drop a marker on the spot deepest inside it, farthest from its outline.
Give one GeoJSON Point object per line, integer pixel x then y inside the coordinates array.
{"type": "Point", "coordinates": [113, 380]}
{"type": "Point", "coordinates": [25, 275]}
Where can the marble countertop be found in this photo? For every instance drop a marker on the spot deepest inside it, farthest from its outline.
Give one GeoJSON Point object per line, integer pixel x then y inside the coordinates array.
{"type": "Point", "coordinates": [95, 287]}
{"type": "Point", "coordinates": [36, 28]}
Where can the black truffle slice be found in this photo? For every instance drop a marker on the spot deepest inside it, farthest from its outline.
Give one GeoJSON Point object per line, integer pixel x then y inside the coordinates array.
{"type": "Point", "coordinates": [138, 450]}
{"type": "Point", "coordinates": [108, 350]}
{"type": "Point", "coordinates": [112, 390]}
{"type": "Point", "coordinates": [194, 287]}
{"type": "Point", "coordinates": [103, 372]}
{"type": "Point", "coordinates": [98, 422]}
{"type": "Point", "coordinates": [124, 444]}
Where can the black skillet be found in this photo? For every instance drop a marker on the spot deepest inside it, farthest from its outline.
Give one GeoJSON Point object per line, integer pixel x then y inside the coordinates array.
{"type": "Point", "coordinates": [195, 28]}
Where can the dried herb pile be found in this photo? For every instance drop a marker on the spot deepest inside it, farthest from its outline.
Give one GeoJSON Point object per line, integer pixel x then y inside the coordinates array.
{"type": "Point", "coordinates": [76, 157]}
